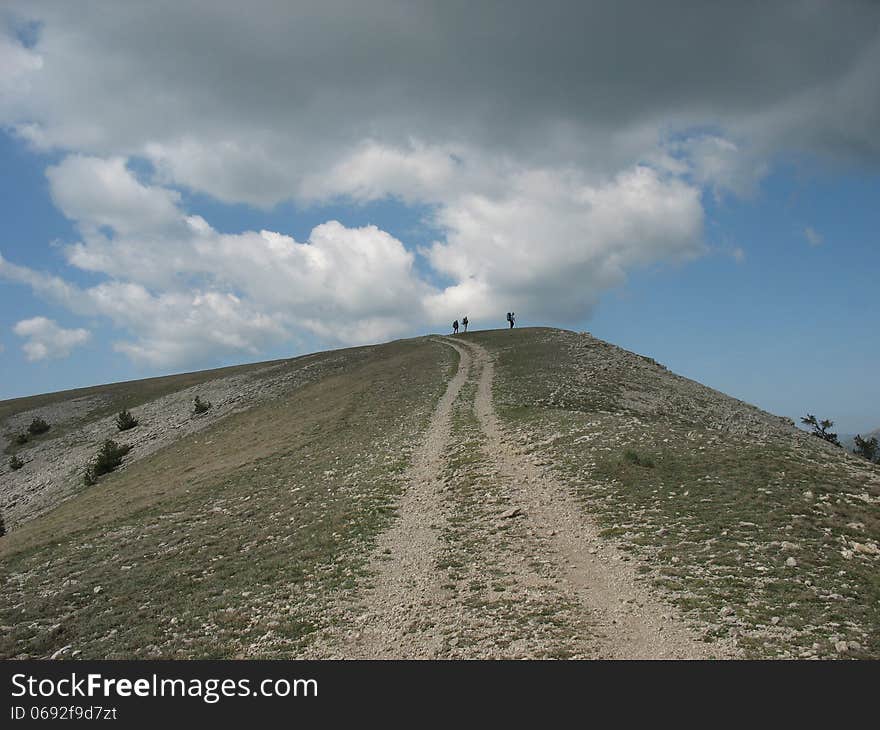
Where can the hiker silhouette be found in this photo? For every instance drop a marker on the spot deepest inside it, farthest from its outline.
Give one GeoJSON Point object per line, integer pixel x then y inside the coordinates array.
{"type": "Point", "coordinates": [511, 316]}
{"type": "Point", "coordinates": [455, 327]}
{"type": "Point", "coordinates": [465, 323]}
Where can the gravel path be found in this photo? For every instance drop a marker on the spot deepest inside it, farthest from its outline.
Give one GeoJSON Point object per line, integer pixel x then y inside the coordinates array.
{"type": "Point", "coordinates": [630, 623]}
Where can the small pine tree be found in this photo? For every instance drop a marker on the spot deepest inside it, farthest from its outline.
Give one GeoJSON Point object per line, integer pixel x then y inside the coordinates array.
{"type": "Point", "coordinates": [867, 448]}
{"type": "Point", "coordinates": [15, 463]}
{"type": "Point", "coordinates": [38, 426]}
{"type": "Point", "coordinates": [200, 406]}
{"type": "Point", "coordinates": [125, 421]}
{"type": "Point", "coordinates": [108, 458]}
{"type": "Point", "coordinates": [820, 428]}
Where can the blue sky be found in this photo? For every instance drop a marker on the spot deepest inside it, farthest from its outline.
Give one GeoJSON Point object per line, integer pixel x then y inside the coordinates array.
{"type": "Point", "coordinates": [198, 203]}
{"type": "Point", "coordinates": [792, 327]}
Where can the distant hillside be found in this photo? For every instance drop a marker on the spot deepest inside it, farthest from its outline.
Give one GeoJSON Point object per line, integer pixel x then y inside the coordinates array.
{"type": "Point", "coordinates": [501, 494]}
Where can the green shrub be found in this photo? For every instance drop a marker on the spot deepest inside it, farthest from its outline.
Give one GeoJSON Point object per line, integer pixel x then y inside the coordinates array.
{"type": "Point", "coordinates": [20, 439]}
{"type": "Point", "coordinates": [200, 406]}
{"type": "Point", "coordinates": [633, 458]}
{"type": "Point", "coordinates": [108, 458]}
{"type": "Point", "coordinates": [38, 426]}
{"type": "Point", "coordinates": [125, 421]}
{"type": "Point", "coordinates": [89, 478]}
{"type": "Point", "coordinates": [15, 463]}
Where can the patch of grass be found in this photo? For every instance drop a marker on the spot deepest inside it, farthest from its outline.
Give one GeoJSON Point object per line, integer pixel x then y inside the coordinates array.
{"type": "Point", "coordinates": [632, 456]}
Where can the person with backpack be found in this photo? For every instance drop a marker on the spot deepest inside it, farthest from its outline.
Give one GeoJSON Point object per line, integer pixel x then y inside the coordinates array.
{"type": "Point", "coordinates": [455, 327]}
{"type": "Point", "coordinates": [465, 322]}
{"type": "Point", "coordinates": [510, 318]}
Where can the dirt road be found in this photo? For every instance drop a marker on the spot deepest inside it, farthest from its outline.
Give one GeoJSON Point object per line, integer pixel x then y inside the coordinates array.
{"type": "Point", "coordinates": [492, 557]}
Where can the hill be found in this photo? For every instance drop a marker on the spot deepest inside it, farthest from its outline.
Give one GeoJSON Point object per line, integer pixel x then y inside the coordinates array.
{"type": "Point", "coordinates": [525, 493]}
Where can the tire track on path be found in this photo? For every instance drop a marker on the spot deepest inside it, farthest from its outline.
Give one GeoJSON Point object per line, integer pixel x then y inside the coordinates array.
{"type": "Point", "coordinates": [394, 618]}
{"type": "Point", "coordinates": [630, 622]}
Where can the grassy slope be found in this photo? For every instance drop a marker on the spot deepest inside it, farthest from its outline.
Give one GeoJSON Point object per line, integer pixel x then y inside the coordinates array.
{"type": "Point", "coordinates": [233, 541]}
{"type": "Point", "coordinates": [721, 501]}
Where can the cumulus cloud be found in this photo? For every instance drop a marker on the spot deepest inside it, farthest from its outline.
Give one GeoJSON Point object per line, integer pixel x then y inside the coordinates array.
{"type": "Point", "coordinates": [554, 241]}
{"type": "Point", "coordinates": [185, 292]}
{"type": "Point", "coordinates": [45, 339]}
{"type": "Point", "coordinates": [373, 170]}
{"type": "Point", "coordinates": [103, 192]}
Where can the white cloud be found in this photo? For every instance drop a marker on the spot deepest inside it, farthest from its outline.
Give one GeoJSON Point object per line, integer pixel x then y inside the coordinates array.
{"type": "Point", "coordinates": [814, 238]}
{"type": "Point", "coordinates": [45, 339]}
{"type": "Point", "coordinates": [554, 242]}
{"type": "Point", "coordinates": [187, 293]}
{"type": "Point", "coordinates": [97, 192]}
{"type": "Point", "coordinates": [373, 171]}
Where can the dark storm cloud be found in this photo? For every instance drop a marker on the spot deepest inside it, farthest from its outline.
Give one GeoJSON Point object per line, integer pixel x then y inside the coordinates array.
{"type": "Point", "coordinates": [492, 74]}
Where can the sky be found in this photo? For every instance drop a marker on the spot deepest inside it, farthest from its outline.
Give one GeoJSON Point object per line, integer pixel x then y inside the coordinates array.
{"type": "Point", "coordinates": [190, 185]}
